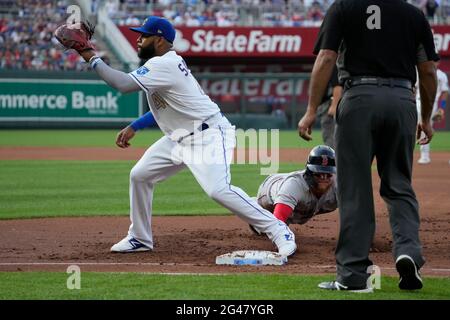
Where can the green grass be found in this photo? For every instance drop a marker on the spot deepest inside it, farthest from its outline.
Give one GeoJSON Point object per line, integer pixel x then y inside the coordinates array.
{"type": "Point", "coordinates": [106, 138]}
{"type": "Point", "coordinates": [52, 285]}
{"type": "Point", "coordinates": [72, 138]}
{"type": "Point", "coordinates": [38, 188]}
{"type": "Point", "coordinates": [83, 188]}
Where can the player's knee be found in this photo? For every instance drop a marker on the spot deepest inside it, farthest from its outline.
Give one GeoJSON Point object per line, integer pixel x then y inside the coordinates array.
{"type": "Point", "coordinates": [138, 174]}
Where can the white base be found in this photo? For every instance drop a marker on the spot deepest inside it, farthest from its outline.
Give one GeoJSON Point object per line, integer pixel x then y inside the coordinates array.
{"type": "Point", "coordinates": [252, 257]}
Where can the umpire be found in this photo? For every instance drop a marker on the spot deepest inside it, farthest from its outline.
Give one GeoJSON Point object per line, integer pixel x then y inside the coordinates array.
{"type": "Point", "coordinates": [377, 45]}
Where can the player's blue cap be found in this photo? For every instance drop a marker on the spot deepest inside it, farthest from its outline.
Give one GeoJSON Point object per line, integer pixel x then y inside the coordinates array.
{"type": "Point", "coordinates": [157, 26]}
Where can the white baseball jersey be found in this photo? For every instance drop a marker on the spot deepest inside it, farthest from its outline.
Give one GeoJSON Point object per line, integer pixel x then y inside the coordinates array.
{"type": "Point", "coordinates": [291, 189]}
{"type": "Point", "coordinates": [177, 102]}
{"type": "Point", "coordinates": [175, 97]}
{"type": "Point", "coordinates": [442, 86]}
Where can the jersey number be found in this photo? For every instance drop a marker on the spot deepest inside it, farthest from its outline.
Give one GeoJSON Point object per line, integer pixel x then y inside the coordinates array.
{"type": "Point", "coordinates": [183, 68]}
{"type": "Point", "coordinates": [374, 20]}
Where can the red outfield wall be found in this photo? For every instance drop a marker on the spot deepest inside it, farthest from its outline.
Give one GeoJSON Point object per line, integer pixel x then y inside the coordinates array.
{"type": "Point", "coordinates": [259, 49]}
{"type": "Point", "coordinates": [261, 42]}
{"type": "Point", "coordinates": [240, 42]}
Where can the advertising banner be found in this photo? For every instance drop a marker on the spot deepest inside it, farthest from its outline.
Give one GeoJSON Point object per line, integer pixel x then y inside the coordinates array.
{"type": "Point", "coordinates": [239, 41]}
{"type": "Point", "coordinates": [260, 41]}
{"type": "Point", "coordinates": [65, 100]}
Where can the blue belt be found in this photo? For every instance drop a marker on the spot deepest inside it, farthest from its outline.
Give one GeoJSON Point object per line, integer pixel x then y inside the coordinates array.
{"type": "Point", "coordinates": [203, 127]}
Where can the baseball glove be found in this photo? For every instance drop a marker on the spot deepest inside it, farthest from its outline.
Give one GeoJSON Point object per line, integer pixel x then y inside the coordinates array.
{"type": "Point", "coordinates": [438, 116]}
{"type": "Point", "coordinates": [76, 36]}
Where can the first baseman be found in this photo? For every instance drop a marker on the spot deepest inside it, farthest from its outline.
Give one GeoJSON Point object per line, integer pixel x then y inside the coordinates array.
{"type": "Point", "coordinates": [196, 136]}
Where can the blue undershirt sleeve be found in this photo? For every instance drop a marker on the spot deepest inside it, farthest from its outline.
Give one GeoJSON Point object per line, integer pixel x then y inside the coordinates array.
{"type": "Point", "coordinates": [146, 120]}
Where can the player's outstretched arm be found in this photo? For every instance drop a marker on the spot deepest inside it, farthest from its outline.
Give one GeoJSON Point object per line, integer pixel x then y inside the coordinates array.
{"type": "Point", "coordinates": [117, 79]}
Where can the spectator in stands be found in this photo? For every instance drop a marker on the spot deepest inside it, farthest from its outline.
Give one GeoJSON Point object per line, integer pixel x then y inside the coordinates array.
{"type": "Point", "coordinates": [29, 28]}
{"type": "Point", "coordinates": [94, 7]}
{"type": "Point", "coordinates": [26, 37]}
{"type": "Point", "coordinates": [430, 7]}
{"type": "Point", "coordinates": [225, 13]}
{"type": "Point", "coordinates": [112, 7]}
{"type": "Point", "coordinates": [315, 12]}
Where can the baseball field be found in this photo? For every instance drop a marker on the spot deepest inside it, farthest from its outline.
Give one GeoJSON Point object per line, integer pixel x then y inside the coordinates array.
{"type": "Point", "coordinates": [64, 202]}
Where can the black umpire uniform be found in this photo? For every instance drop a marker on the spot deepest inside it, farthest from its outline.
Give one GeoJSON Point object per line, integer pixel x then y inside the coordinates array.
{"type": "Point", "coordinates": [379, 43]}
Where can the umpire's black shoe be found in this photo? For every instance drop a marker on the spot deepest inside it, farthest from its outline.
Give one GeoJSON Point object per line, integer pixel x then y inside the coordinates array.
{"type": "Point", "coordinates": [336, 286]}
{"type": "Point", "coordinates": [409, 274]}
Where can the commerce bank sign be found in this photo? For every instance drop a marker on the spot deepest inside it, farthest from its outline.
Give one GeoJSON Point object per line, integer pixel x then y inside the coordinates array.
{"type": "Point", "coordinates": [65, 100]}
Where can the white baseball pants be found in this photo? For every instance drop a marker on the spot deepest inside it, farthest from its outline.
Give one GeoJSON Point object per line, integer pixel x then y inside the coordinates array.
{"type": "Point", "coordinates": [207, 154]}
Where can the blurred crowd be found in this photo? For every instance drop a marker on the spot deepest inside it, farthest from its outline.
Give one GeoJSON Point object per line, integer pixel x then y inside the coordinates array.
{"type": "Point", "coordinates": [227, 13]}
{"type": "Point", "coordinates": [26, 36]}
{"type": "Point", "coordinates": [27, 26]}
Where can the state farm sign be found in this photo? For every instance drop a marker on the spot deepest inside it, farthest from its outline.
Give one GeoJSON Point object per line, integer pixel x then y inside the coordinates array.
{"type": "Point", "coordinates": [259, 42]}
{"type": "Point", "coordinates": [239, 42]}
{"type": "Point", "coordinates": [255, 42]}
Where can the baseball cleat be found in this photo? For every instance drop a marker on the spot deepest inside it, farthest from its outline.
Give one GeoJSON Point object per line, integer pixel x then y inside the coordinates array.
{"type": "Point", "coordinates": [336, 286]}
{"type": "Point", "coordinates": [409, 275]}
{"type": "Point", "coordinates": [424, 160]}
{"type": "Point", "coordinates": [286, 244]}
{"type": "Point", "coordinates": [129, 244]}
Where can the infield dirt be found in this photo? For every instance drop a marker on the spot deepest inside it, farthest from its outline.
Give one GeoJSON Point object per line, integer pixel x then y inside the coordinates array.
{"type": "Point", "coordinates": [190, 244]}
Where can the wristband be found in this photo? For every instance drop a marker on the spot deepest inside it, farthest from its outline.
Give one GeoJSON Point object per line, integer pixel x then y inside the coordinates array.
{"type": "Point", "coordinates": [94, 61]}
{"type": "Point", "coordinates": [144, 121]}
{"type": "Point", "coordinates": [443, 104]}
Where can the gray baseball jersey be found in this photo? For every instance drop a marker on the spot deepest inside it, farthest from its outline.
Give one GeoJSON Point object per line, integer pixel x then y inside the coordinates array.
{"type": "Point", "coordinates": [291, 189]}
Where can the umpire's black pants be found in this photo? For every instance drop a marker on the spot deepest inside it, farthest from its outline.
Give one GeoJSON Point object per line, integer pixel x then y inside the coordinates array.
{"type": "Point", "coordinates": [375, 121]}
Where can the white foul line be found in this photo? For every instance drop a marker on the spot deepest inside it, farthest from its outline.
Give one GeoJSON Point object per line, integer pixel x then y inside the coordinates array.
{"type": "Point", "coordinates": [168, 264]}
{"type": "Point", "coordinates": [100, 264]}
